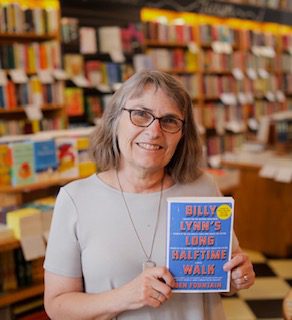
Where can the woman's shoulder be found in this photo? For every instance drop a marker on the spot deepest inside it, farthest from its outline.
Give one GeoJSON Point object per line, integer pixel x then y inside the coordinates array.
{"type": "Point", "coordinates": [204, 186]}
{"type": "Point", "coordinates": [81, 185]}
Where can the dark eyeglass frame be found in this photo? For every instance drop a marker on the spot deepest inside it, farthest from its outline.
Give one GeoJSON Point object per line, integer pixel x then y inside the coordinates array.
{"type": "Point", "coordinates": [153, 119]}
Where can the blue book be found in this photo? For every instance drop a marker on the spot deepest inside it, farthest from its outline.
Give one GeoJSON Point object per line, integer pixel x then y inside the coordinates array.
{"type": "Point", "coordinates": [45, 157]}
{"type": "Point", "coordinates": [199, 242]}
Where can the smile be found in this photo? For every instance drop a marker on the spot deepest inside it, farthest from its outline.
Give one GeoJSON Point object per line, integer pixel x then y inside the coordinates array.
{"type": "Point", "coordinates": [148, 146]}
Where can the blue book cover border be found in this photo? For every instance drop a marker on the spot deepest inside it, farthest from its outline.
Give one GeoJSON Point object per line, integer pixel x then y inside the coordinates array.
{"type": "Point", "coordinates": [197, 266]}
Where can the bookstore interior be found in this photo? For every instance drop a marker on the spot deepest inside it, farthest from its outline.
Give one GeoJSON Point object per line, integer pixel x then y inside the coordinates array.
{"type": "Point", "coordinates": [60, 63]}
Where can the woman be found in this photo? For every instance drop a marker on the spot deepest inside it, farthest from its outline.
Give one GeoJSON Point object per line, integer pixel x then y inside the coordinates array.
{"type": "Point", "coordinates": [106, 252]}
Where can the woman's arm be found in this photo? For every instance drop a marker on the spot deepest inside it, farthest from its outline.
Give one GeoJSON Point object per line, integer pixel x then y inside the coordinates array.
{"type": "Point", "coordinates": [64, 298]}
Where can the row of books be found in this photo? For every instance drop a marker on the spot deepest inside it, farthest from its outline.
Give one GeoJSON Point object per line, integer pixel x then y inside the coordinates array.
{"type": "Point", "coordinates": [210, 61]}
{"type": "Point", "coordinates": [272, 88]}
{"type": "Point", "coordinates": [217, 145]}
{"type": "Point", "coordinates": [104, 76]}
{"type": "Point", "coordinates": [31, 57]}
{"type": "Point", "coordinates": [162, 31]}
{"type": "Point", "coordinates": [245, 61]}
{"type": "Point", "coordinates": [15, 272]}
{"type": "Point", "coordinates": [33, 92]}
{"type": "Point", "coordinates": [218, 33]}
{"type": "Point", "coordinates": [78, 103]}
{"type": "Point", "coordinates": [191, 83]}
{"type": "Point", "coordinates": [21, 126]}
{"type": "Point", "coordinates": [23, 266]}
{"type": "Point", "coordinates": [127, 39]}
{"type": "Point", "coordinates": [43, 157]}
{"type": "Point", "coordinates": [16, 18]}
{"type": "Point", "coordinates": [174, 59]}
{"type": "Point", "coordinates": [209, 34]}
{"type": "Point", "coordinates": [234, 118]}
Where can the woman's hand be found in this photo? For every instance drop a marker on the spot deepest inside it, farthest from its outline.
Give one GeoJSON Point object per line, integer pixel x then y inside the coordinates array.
{"type": "Point", "coordinates": [151, 288]}
{"type": "Point", "coordinates": [242, 274]}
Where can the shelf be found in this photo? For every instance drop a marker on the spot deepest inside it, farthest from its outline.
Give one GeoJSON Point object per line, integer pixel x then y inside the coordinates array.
{"type": "Point", "coordinates": [46, 107]}
{"type": "Point", "coordinates": [29, 36]}
{"type": "Point", "coordinates": [35, 186]}
{"type": "Point", "coordinates": [167, 44]}
{"type": "Point", "coordinates": [19, 294]}
{"type": "Point", "coordinates": [8, 245]}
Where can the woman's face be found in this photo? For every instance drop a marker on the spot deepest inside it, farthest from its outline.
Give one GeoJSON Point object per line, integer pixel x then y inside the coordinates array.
{"type": "Point", "coordinates": [150, 148]}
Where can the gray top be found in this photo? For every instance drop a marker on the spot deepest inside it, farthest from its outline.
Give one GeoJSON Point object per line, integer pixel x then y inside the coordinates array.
{"type": "Point", "coordinates": [92, 237]}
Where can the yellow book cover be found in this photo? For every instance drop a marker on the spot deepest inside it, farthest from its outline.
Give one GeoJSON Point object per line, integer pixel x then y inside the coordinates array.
{"type": "Point", "coordinates": [5, 165]}
{"type": "Point", "coordinates": [13, 219]}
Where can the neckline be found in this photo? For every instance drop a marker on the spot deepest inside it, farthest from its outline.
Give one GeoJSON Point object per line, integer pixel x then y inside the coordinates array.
{"type": "Point", "coordinates": [99, 181]}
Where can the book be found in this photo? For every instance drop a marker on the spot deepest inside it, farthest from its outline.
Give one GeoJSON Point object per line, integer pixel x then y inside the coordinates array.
{"type": "Point", "coordinates": [67, 156]}
{"type": "Point", "coordinates": [23, 168]}
{"type": "Point", "coordinates": [45, 159]}
{"type": "Point", "coordinates": [5, 165]}
{"type": "Point", "coordinates": [199, 237]}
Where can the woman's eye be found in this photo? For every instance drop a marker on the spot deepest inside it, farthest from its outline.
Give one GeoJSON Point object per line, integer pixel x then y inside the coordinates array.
{"type": "Point", "coordinates": [170, 120]}
{"type": "Point", "coordinates": [141, 113]}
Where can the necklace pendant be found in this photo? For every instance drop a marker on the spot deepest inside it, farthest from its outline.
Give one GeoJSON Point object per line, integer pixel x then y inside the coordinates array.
{"type": "Point", "coordinates": [148, 264]}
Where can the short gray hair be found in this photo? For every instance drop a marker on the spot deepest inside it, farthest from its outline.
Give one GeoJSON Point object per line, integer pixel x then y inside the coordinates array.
{"type": "Point", "coordinates": [184, 165]}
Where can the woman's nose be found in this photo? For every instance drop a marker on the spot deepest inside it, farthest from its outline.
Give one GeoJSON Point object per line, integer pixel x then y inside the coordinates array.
{"type": "Point", "coordinates": [155, 127]}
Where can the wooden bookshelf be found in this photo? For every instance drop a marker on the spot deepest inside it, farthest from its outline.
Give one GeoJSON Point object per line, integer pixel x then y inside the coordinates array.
{"type": "Point", "coordinates": [37, 38]}
{"type": "Point", "coordinates": [225, 94]}
{"type": "Point", "coordinates": [27, 37]}
{"type": "Point", "coordinates": [13, 296]}
{"type": "Point", "coordinates": [35, 186]}
{"type": "Point", "coordinates": [21, 110]}
{"type": "Point", "coordinates": [9, 244]}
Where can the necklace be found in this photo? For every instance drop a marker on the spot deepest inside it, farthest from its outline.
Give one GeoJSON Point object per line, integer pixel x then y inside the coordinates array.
{"type": "Point", "coordinates": [148, 263]}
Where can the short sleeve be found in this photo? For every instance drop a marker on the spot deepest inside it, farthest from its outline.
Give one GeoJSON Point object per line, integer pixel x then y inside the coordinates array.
{"type": "Point", "coordinates": [63, 256]}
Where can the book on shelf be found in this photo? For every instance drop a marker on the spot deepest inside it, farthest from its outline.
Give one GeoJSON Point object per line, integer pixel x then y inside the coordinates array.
{"type": "Point", "coordinates": [88, 41]}
{"type": "Point", "coordinates": [67, 156]}
{"type": "Point", "coordinates": [28, 228]}
{"type": "Point", "coordinates": [70, 30]}
{"type": "Point", "coordinates": [199, 239]}
{"type": "Point", "coordinates": [45, 159]}
{"type": "Point", "coordinates": [74, 101]}
{"type": "Point", "coordinates": [22, 167]}
{"type": "Point", "coordinates": [8, 278]}
{"type": "Point", "coordinates": [74, 64]}
{"type": "Point", "coordinates": [110, 42]}
{"type": "Point", "coordinates": [5, 165]}
{"type": "Point", "coordinates": [17, 18]}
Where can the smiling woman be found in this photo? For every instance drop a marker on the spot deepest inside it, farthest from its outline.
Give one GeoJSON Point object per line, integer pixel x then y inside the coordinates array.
{"type": "Point", "coordinates": [106, 252]}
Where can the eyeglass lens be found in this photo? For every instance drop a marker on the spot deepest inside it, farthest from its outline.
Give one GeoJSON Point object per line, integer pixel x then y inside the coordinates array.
{"type": "Point", "coordinates": [143, 118]}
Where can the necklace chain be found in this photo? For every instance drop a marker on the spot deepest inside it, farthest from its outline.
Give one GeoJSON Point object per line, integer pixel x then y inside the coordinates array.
{"type": "Point", "coordinates": [133, 224]}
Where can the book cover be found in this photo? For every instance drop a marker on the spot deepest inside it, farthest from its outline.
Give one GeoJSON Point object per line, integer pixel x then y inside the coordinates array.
{"type": "Point", "coordinates": [199, 238]}
{"type": "Point", "coordinates": [45, 159]}
{"type": "Point", "coordinates": [23, 168]}
{"type": "Point", "coordinates": [5, 165]}
{"type": "Point", "coordinates": [67, 156]}
{"type": "Point", "coordinates": [74, 101]}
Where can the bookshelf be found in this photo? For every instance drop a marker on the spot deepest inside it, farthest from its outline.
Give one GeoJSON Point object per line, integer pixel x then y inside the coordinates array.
{"type": "Point", "coordinates": [105, 64]}
{"type": "Point", "coordinates": [236, 71]}
{"type": "Point", "coordinates": [31, 95]}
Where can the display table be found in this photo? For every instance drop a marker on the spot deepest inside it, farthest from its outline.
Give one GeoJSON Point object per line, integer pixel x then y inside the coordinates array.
{"type": "Point", "coordinates": [263, 207]}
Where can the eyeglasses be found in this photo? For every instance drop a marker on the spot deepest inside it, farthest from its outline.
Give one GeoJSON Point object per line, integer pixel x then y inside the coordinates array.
{"type": "Point", "coordinates": [142, 118]}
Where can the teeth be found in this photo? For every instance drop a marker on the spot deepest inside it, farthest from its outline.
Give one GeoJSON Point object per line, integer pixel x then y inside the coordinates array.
{"type": "Point", "coordinates": [149, 146]}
